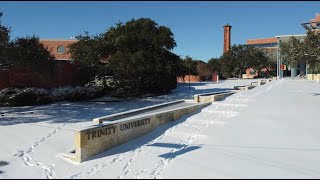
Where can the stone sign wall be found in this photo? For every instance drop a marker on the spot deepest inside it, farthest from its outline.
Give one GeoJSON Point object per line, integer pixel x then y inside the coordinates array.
{"type": "Point", "coordinates": [98, 138]}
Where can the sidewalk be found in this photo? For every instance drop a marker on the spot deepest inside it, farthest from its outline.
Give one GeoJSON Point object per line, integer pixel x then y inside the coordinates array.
{"type": "Point", "coordinates": [275, 136]}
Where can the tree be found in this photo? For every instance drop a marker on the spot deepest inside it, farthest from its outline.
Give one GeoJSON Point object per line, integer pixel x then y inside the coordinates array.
{"type": "Point", "coordinates": [135, 55]}
{"type": "Point", "coordinates": [188, 67]}
{"type": "Point", "coordinates": [311, 51]}
{"type": "Point", "coordinates": [87, 50]}
{"type": "Point", "coordinates": [260, 60]}
{"type": "Point", "coordinates": [269, 61]}
{"type": "Point", "coordinates": [236, 60]}
{"type": "Point", "coordinates": [292, 51]}
{"type": "Point", "coordinates": [4, 45]}
{"type": "Point", "coordinates": [203, 70]}
{"type": "Point", "coordinates": [239, 58]}
{"type": "Point", "coordinates": [30, 54]}
{"type": "Point", "coordinates": [215, 64]}
{"type": "Point", "coordinates": [296, 52]}
{"type": "Point", "coordinates": [228, 62]}
{"type": "Point", "coordinates": [88, 55]}
{"type": "Point", "coordinates": [140, 58]}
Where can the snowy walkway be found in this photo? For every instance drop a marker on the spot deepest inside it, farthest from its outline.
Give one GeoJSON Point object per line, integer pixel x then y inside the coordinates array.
{"type": "Point", "coordinates": [271, 131]}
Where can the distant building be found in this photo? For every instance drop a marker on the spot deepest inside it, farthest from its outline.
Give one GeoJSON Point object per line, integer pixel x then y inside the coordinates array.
{"type": "Point", "coordinates": [203, 72]}
{"type": "Point", "coordinates": [272, 45]}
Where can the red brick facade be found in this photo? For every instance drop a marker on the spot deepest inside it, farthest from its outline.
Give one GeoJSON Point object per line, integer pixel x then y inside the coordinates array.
{"type": "Point", "coordinates": [53, 45]}
{"type": "Point", "coordinates": [315, 20]}
{"type": "Point", "coordinates": [193, 78]}
{"type": "Point", "coordinates": [262, 40]}
{"type": "Point", "coordinates": [62, 75]}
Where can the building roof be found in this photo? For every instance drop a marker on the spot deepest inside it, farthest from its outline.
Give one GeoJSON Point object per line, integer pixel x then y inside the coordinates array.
{"type": "Point", "coordinates": [286, 38]}
{"type": "Point", "coordinates": [58, 40]}
{"type": "Point", "coordinates": [313, 24]}
{"type": "Point", "coordinates": [290, 35]}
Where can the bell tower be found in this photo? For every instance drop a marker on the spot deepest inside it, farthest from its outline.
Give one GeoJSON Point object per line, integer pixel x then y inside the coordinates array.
{"type": "Point", "coordinates": [227, 38]}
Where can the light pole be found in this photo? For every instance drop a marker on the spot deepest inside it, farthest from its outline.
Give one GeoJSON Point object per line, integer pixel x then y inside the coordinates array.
{"type": "Point", "coordinates": [277, 59]}
{"type": "Point", "coordinates": [189, 74]}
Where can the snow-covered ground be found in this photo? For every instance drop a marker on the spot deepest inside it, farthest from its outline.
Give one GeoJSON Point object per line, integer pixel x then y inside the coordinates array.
{"type": "Point", "coordinates": [271, 131]}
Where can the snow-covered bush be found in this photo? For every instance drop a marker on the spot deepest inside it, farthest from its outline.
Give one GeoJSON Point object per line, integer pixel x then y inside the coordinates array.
{"type": "Point", "coordinates": [82, 93]}
{"type": "Point", "coordinates": [5, 94]}
{"type": "Point", "coordinates": [100, 83]}
{"type": "Point", "coordinates": [25, 96]}
{"type": "Point", "coordinates": [61, 93]}
{"type": "Point", "coordinates": [33, 95]}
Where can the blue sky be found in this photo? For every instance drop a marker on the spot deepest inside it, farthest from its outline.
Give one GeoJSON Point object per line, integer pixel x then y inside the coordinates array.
{"type": "Point", "coordinates": [197, 26]}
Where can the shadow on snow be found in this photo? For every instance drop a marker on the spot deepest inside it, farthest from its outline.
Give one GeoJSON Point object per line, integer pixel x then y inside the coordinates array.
{"type": "Point", "coordinates": [85, 111]}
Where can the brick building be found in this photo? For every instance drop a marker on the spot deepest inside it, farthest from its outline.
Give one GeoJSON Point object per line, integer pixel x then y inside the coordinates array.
{"type": "Point", "coordinates": [272, 45]}
{"type": "Point", "coordinates": [63, 72]}
{"type": "Point", "coordinates": [58, 47]}
{"type": "Point", "coordinates": [203, 72]}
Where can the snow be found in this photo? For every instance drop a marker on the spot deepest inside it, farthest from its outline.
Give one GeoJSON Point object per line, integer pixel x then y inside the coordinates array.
{"type": "Point", "coordinates": [271, 131]}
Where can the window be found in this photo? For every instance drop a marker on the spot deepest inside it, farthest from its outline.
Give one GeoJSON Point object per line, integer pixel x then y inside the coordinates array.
{"type": "Point", "coordinates": [61, 49]}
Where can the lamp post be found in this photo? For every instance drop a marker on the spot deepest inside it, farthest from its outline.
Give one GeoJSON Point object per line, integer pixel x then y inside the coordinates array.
{"type": "Point", "coordinates": [278, 59]}
{"type": "Point", "coordinates": [189, 73]}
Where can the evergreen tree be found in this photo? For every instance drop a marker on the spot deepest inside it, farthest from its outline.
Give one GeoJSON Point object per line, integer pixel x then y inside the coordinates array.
{"type": "Point", "coordinates": [188, 66]}
{"type": "Point", "coordinates": [141, 60]}
{"type": "Point", "coordinates": [215, 64]}
{"type": "Point", "coordinates": [239, 58]}
{"type": "Point", "coordinates": [136, 55]}
{"type": "Point", "coordinates": [4, 45]}
{"type": "Point", "coordinates": [88, 55]}
{"type": "Point", "coordinates": [29, 53]}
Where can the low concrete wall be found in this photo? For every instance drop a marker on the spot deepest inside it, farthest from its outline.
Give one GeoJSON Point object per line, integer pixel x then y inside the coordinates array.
{"type": "Point", "coordinates": [96, 139]}
{"type": "Point", "coordinates": [245, 88]}
{"type": "Point", "coordinates": [255, 83]}
{"type": "Point", "coordinates": [117, 116]}
{"type": "Point", "coordinates": [313, 76]}
{"type": "Point", "coordinates": [261, 82]}
{"type": "Point", "coordinates": [265, 80]}
{"type": "Point", "coordinates": [211, 97]}
{"type": "Point", "coordinates": [247, 76]}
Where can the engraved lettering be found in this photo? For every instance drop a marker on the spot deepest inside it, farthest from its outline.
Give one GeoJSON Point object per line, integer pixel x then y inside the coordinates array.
{"type": "Point", "coordinates": [101, 132]}
{"type": "Point", "coordinates": [134, 124]}
{"type": "Point", "coordinates": [94, 134]}
{"type": "Point", "coordinates": [88, 134]}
